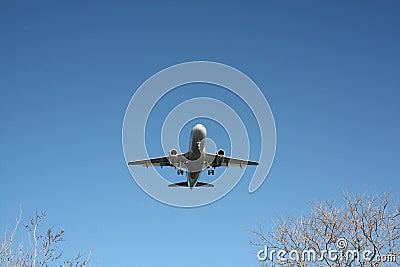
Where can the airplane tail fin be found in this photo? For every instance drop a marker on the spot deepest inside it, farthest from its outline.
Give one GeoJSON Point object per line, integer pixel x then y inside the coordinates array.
{"type": "Point", "coordinates": [185, 184]}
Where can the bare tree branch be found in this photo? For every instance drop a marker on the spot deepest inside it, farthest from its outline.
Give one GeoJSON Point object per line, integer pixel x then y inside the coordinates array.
{"type": "Point", "coordinates": [363, 223]}
{"type": "Point", "coordinates": [44, 251]}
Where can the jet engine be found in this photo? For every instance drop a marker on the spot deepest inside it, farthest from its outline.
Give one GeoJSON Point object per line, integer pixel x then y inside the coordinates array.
{"type": "Point", "coordinates": [220, 157]}
{"type": "Point", "coordinates": [173, 156]}
{"type": "Point", "coordinates": [173, 152]}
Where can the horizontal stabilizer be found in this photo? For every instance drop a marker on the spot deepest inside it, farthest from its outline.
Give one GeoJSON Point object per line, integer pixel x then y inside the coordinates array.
{"type": "Point", "coordinates": [185, 184]}
{"type": "Point", "coordinates": [204, 184]}
{"type": "Point", "coordinates": [181, 184]}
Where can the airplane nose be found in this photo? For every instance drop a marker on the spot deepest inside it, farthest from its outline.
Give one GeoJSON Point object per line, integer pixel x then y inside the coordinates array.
{"type": "Point", "coordinates": [200, 128]}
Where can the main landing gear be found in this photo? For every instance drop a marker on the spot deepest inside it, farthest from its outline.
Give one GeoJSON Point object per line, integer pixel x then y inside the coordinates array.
{"type": "Point", "coordinates": [210, 172]}
{"type": "Point", "coordinates": [180, 172]}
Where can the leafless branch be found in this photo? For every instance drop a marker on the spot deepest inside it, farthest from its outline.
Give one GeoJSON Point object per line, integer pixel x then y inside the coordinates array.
{"type": "Point", "coordinates": [43, 253]}
{"type": "Point", "coordinates": [366, 222]}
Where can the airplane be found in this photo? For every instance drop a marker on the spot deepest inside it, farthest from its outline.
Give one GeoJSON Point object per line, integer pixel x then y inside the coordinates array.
{"type": "Point", "coordinates": [194, 161]}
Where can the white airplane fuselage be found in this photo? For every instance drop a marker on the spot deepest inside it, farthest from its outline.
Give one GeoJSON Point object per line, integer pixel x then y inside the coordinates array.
{"type": "Point", "coordinates": [196, 154]}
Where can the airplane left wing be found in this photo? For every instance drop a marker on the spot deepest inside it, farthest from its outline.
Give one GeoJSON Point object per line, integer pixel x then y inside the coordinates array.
{"type": "Point", "coordinates": [218, 161]}
{"type": "Point", "coordinates": [228, 162]}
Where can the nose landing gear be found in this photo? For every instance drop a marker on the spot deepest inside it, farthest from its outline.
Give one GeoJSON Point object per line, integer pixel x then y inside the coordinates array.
{"type": "Point", "coordinates": [210, 172]}
{"type": "Point", "coordinates": [180, 172]}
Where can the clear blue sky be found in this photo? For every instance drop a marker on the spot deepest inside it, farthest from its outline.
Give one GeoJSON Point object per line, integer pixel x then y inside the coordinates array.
{"type": "Point", "coordinates": [329, 69]}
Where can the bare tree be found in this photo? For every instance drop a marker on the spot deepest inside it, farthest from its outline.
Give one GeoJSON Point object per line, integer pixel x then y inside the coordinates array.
{"type": "Point", "coordinates": [362, 232]}
{"type": "Point", "coordinates": [40, 250]}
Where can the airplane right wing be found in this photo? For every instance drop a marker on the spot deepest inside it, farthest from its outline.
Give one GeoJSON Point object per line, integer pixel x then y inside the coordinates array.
{"type": "Point", "coordinates": [162, 161]}
{"type": "Point", "coordinates": [173, 161]}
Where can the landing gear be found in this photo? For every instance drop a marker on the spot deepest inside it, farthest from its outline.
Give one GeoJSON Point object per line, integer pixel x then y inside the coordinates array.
{"type": "Point", "coordinates": [180, 172]}
{"type": "Point", "coordinates": [210, 172]}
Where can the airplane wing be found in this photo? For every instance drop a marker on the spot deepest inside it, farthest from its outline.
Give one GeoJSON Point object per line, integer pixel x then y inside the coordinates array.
{"type": "Point", "coordinates": [163, 161]}
{"type": "Point", "coordinates": [218, 161]}
{"type": "Point", "coordinates": [178, 160]}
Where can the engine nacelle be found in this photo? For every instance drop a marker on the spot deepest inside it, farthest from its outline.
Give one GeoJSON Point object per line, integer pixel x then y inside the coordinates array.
{"type": "Point", "coordinates": [220, 157]}
{"type": "Point", "coordinates": [173, 152]}
{"type": "Point", "coordinates": [173, 156]}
